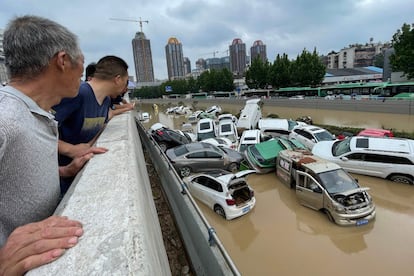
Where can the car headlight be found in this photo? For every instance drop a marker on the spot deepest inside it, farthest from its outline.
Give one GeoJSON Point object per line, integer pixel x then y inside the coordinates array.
{"type": "Point", "coordinates": [339, 208]}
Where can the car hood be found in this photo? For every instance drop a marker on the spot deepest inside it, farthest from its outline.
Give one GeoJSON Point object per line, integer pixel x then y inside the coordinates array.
{"type": "Point", "coordinates": [235, 155]}
{"type": "Point", "coordinates": [323, 149]}
{"type": "Point", "coordinates": [354, 191]}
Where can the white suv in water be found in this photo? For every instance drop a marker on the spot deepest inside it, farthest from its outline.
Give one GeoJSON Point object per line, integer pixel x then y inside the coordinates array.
{"type": "Point", "coordinates": [389, 158]}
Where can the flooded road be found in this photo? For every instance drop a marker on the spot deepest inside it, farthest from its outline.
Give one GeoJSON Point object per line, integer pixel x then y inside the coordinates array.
{"type": "Point", "coordinates": [281, 237]}
{"type": "Point", "coordinates": [398, 122]}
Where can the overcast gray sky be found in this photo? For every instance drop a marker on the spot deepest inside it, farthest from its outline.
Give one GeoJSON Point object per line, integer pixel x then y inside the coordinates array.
{"type": "Point", "coordinates": [206, 26]}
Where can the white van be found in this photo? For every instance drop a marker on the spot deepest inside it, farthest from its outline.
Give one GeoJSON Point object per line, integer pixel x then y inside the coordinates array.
{"type": "Point", "coordinates": [275, 127]}
{"type": "Point", "coordinates": [249, 137]}
{"type": "Point", "coordinates": [250, 115]}
{"type": "Point", "coordinates": [227, 128]}
{"type": "Point", "coordinates": [206, 128]}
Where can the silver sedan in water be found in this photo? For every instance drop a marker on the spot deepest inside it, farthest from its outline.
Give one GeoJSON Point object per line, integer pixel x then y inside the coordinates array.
{"type": "Point", "coordinates": [198, 157]}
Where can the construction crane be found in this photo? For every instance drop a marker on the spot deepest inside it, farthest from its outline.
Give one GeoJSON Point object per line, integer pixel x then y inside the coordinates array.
{"type": "Point", "coordinates": [132, 20]}
{"type": "Point", "coordinates": [147, 77]}
{"type": "Point", "coordinates": [211, 53]}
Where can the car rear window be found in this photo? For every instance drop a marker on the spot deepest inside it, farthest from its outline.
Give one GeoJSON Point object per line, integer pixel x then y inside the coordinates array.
{"type": "Point", "coordinates": [226, 128]}
{"type": "Point", "coordinates": [204, 126]}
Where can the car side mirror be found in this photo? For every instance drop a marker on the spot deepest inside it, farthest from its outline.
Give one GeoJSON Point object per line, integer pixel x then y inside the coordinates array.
{"type": "Point", "coordinates": [317, 189]}
{"type": "Point", "coordinates": [343, 158]}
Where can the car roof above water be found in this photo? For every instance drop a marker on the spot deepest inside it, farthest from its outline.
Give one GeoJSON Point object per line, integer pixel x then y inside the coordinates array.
{"type": "Point", "coordinates": [382, 144]}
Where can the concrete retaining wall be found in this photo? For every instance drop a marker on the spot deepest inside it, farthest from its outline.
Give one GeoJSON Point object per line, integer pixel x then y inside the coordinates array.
{"type": "Point", "coordinates": [112, 197]}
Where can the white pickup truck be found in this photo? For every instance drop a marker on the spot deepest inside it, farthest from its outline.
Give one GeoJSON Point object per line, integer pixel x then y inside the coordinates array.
{"type": "Point", "coordinates": [325, 186]}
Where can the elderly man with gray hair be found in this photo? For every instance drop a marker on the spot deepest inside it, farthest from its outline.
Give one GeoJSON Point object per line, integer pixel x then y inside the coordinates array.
{"type": "Point", "coordinates": [45, 65]}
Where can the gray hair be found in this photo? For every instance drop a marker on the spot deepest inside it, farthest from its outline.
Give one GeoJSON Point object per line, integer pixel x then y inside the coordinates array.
{"type": "Point", "coordinates": [30, 42]}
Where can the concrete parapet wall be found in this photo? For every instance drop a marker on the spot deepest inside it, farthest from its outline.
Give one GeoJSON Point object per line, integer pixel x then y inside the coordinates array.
{"type": "Point", "coordinates": [112, 197]}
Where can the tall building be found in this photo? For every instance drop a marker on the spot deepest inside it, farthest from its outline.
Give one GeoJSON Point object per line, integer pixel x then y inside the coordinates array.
{"type": "Point", "coordinates": [237, 52]}
{"type": "Point", "coordinates": [201, 64]}
{"type": "Point", "coordinates": [144, 69]}
{"type": "Point", "coordinates": [258, 50]}
{"type": "Point", "coordinates": [175, 59]}
{"type": "Point", "coordinates": [187, 66]}
{"type": "Point", "coordinates": [356, 55]}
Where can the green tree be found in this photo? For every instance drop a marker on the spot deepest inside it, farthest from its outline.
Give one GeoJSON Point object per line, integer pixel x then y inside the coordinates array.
{"type": "Point", "coordinates": [403, 44]}
{"type": "Point", "coordinates": [257, 74]}
{"type": "Point", "coordinates": [307, 69]}
{"type": "Point", "coordinates": [379, 60]}
{"type": "Point", "coordinates": [192, 85]}
{"type": "Point", "coordinates": [216, 80]}
{"type": "Point", "coordinates": [279, 72]}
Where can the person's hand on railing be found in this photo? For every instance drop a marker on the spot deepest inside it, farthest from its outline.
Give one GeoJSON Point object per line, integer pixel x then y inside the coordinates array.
{"type": "Point", "coordinates": [35, 244]}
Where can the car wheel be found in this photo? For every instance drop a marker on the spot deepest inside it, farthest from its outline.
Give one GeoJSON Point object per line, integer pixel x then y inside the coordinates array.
{"type": "Point", "coordinates": [233, 167]}
{"type": "Point", "coordinates": [163, 146]}
{"type": "Point", "coordinates": [220, 211]}
{"type": "Point", "coordinates": [330, 217]}
{"type": "Point", "coordinates": [185, 171]}
{"type": "Point", "coordinates": [401, 179]}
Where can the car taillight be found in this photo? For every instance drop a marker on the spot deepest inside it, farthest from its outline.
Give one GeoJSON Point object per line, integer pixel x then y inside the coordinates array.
{"type": "Point", "coordinates": [159, 132]}
{"type": "Point", "coordinates": [230, 202]}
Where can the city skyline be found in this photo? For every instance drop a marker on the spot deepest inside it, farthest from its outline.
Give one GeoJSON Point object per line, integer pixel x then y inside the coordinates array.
{"type": "Point", "coordinates": [207, 27]}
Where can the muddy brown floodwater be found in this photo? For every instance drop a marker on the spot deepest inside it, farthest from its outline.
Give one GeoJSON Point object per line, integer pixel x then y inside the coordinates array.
{"type": "Point", "coordinates": [281, 237]}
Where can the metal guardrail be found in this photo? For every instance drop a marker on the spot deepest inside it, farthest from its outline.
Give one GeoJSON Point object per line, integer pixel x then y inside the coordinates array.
{"type": "Point", "coordinates": [205, 250]}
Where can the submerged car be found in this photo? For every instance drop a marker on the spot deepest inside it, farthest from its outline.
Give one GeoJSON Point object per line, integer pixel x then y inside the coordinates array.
{"type": "Point", "coordinates": [275, 127]}
{"type": "Point", "coordinates": [376, 132]}
{"type": "Point", "coordinates": [309, 135]}
{"type": "Point", "coordinates": [167, 138]}
{"type": "Point", "coordinates": [220, 142]}
{"type": "Point", "coordinates": [206, 128]}
{"type": "Point", "coordinates": [262, 156]}
{"type": "Point", "coordinates": [199, 157]}
{"type": "Point", "coordinates": [228, 194]}
{"type": "Point", "coordinates": [249, 137]}
{"type": "Point", "coordinates": [227, 128]}
{"type": "Point", "coordinates": [389, 158]}
{"type": "Point", "coordinates": [325, 186]}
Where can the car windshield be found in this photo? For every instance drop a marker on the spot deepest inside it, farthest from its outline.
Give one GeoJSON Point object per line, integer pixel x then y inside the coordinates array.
{"type": "Point", "coordinates": [243, 147]}
{"type": "Point", "coordinates": [181, 150]}
{"type": "Point", "coordinates": [256, 155]}
{"type": "Point", "coordinates": [292, 124]}
{"type": "Point", "coordinates": [337, 181]}
{"type": "Point", "coordinates": [323, 136]}
{"type": "Point", "coordinates": [341, 147]}
{"type": "Point", "coordinates": [202, 136]}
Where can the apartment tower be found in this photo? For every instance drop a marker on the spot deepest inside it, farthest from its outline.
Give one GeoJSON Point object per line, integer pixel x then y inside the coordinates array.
{"type": "Point", "coordinates": [237, 52]}
{"type": "Point", "coordinates": [144, 68]}
{"type": "Point", "coordinates": [175, 59]}
{"type": "Point", "coordinates": [258, 50]}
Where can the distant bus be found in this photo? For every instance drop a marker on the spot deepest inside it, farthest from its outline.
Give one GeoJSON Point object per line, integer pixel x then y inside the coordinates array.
{"type": "Point", "coordinates": [297, 91]}
{"type": "Point", "coordinates": [201, 95]}
{"type": "Point", "coordinates": [172, 96]}
{"type": "Point", "coordinates": [363, 88]}
{"type": "Point", "coordinates": [392, 89]}
{"type": "Point", "coordinates": [222, 94]}
{"type": "Point", "coordinates": [383, 89]}
{"type": "Point", "coordinates": [257, 93]}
